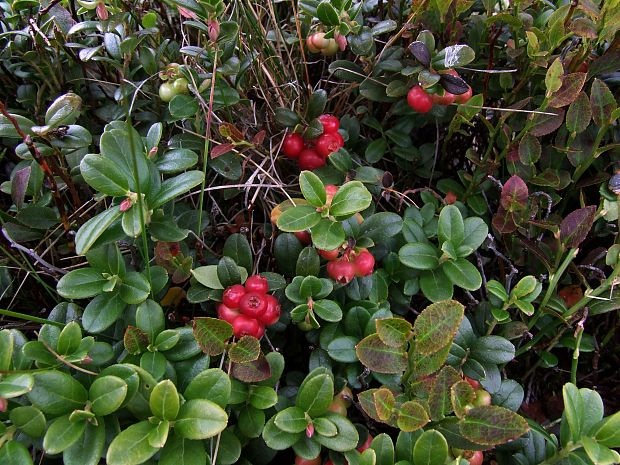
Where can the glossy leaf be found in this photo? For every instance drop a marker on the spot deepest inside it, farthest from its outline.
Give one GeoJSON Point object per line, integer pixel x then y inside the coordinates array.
{"type": "Point", "coordinates": [436, 325]}
{"type": "Point", "coordinates": [491, 425]}
{"type": "Point", "coordinates": [378, 356]}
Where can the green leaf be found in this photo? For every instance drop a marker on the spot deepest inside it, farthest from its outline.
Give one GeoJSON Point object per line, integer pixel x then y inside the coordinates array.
{"type": "Point", "coordinates": [200, 419]}
{"type": "Point", "coordinates": [308, 262]}
{"type": "Point", "coordinates": [28, 419]}
{"type": "Point", "coordinates": [8, 130]}
{"type": "Point", "coordinates": [213, 384]}
{"type": "Point", "coordinates": [131, 446]}
{"type": "Point", "coordinates": [436, 326]}
{"type": "Point", "coordinates": [102, 312]}
{"type": "Point", "coordinates": [347, 437]}
{"type": "Point", "coordinates": [328, 310]}
{"type": "Point", "coordinates": [277, 439]}
{"type": "Point", "coordinates": [286, 117]}
{"type": "Point", "coordinates": [135, 288]}
{"type": "Point", "coordinates": [228, 272]}
{"type": "Point", "coordinates": [379, 357]}
{"type": "Point", "coordinates": [263, 397]}
{"type": "Point", "coordinates": [315, 393]}
{"type": "Point", "coordinates": [579, 114]}
{"type": "Point", "coordinates": [431, 448]}
{"type": "Point", "coordinates": [383, 447]}
{"type": "Point", "coordinates": [492, 425]}
{"type": "Point", "coordinates": [81, 283]}
{"type": "Point", "coordinates": [381, 225]}
{"type": "Point", "coordinates": [246, 349]}
{"type": "Point", "coordinates": [394, 332]}
{"type": "Point", "coordinates": [455, 56]}
{"type": "Point", "coordinates": [607, 432]}
{"type": "Point", "coordinates": [451, 227]}
{"type": "Point", "coordinates": [462, 274]}
{"type": "Point", "coordinates": [14, 452]}
{"type": "Point", "coordinates": [327, 234]}
{"type": "Point", "coordinates": [299, 218]}
{"type": "Point", "coordinates": [492, 349]}
{"type": "Point", "coordinates": [316, 104]}
{"type": "Point", "coordinates": [412, 416]}
{"type": "Point", "coordinates": [238, 248]}
{"type": "Point", "coordinates": [207, 276]}
{"type": "Point", "coordinates": [419, 256]}
{"type": "Point", "coordinates": [107, 394]}
{"type": "Point", "coordinates": [347, 71]}
{"type": "Point", "coordinates": [174, 187]}
{"type": "Point", "coordinates": [211, 333]}
{"type": "Point", "coordinates": [164, 400]}
{"type": "Point", "coordinates": [342, 349]}
{"type": "Point", "coordinates": [327, 14]}
{"type": "Point", "coordinates": [599, 454]}
{"type": "Point", "coordinates": [104, 176]}
{"type": "Point", "coordinates": [61, 434]}
{"type": "Point", "coordinates": [90, 231]}
{"type": "Point", "coordinates": [350, 198]}
{"type": "Point", "coordinates": [15, 385]}
{"type": "Point", "coordinates": [181, 451]}
{"type": "Point", "coordinates": [88, 449]}
{"type": "Point", "coordinates": [291, 420]}
{"type": "Point", "coordinates": [312, 188]}
{"type": "Point", "coordinates": [56, 393]}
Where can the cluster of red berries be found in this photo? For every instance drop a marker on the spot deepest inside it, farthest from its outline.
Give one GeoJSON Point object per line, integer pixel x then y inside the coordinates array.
{"type": "Point", "coordinates": [249, 308]}
{"type": "Point", "coordinates": [422, 101]}
{"type": "Point", "coordinates": [351, 264]}
{"type": "Point", "coordinates": [313, 155]}
{"type": "Point", "coordinates": [328, 47]}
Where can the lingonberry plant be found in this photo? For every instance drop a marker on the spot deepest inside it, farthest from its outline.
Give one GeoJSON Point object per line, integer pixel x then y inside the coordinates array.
{"type": "Point", "coordinates": [313, 232]}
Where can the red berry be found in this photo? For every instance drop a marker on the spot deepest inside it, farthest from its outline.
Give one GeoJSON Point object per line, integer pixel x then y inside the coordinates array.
{"type": "Point", "coordinates": [304, 237]}
{"type": "Point", "coordinates": [328, 143]}
{"type": "Point", "coordinates": [419, 100]}
{"type": "Point", "coordinates": [301, 461]}
{"type": "Point", "coordinates": [329, 255]}
{"type": "Point", "coordinates": [253, 304]}
{"type": "Point", "coordinates": [232, 295]}
{"type": "Point", "coordinates": [341, 270]}
{"type": "Point", "coordinates": [446, 99]}
{"type": "Point", "coordinates": [330, 123]}
{"type": "Point", "coordinates": [310, 160]}
{"type": "Point", "coordinates": [227, 314]}
{"type": "Point", "coordinates": [256, 284]}
{"type": "Point", "coordinates": [330, 190]}
{"type": "Point", "coordinates": [271, 315]}
{"type": "Point", "coordinates": [364, 263]}
{"type": "Point", "coordinates": [476, 458]}
{"type": "Point", "coordinates": [463, 98]}
{"type": "Point", "coordinates": [450, 198]}
{"type": "Point", "coordinates": [246, 326]}
{"type": "Point", "coordinates": [472, 382]}
{"type": "Point", "coordinates": [337, 406]}
{"type": "Point", "coordinates": [482, 398]}
{"type": "Point", "coordinates": [292, 145]}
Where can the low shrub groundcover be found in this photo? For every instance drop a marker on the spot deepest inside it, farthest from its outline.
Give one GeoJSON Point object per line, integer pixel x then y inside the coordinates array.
{"type": "Point", "coordinates": [328, 232]}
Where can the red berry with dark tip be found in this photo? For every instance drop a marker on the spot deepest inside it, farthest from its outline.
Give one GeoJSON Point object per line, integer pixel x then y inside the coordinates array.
{"type": "Point", "coordinates": [304, 237]}
{"type": "Point", "coordinates": [310, 160]}
{"type": "Point", "coordinates": [342, 271]}
{"type": "Point", "coordinates": [476, 458]}
{"type": "Point", "coordinates": [329, 143]}
{"type": "Point", "coordinates": [330, 123]}
{"type": "Point", "coordinates": [253, 304]}
{"type": "Point", "coordinates": [419, 100]}
{"type": "Point", "coordinates": [256, 284]}
{"type": "Point", "coordinates": [292, 145]}
{"type": "Point", "coordinates": [246, 326]}
{"type": "Point", "coordinates": [232, 295]}
{"type": "Point", "coordinates": [463, 98]}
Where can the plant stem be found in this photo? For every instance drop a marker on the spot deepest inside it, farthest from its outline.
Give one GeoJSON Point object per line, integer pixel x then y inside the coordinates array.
{"type": "Point", "coordinates": [34, 319]}
{"type": "Point", "coordinates": [575, 361]}
{"type": "Point", "coordinates": [553, 282]}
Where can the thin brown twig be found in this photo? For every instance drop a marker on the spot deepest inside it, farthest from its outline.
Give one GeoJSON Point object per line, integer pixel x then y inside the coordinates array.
{"type": "Point", "coordinates": [32, 148]}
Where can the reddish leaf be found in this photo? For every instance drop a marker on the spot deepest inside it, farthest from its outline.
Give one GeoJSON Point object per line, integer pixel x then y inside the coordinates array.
{"type": "Point", "coordinates": [19, 184]}
{"type": "Point", "coordinates": [607, 63]}
{"type": "Point", "coordinates": [384, 403]}
{"type": "Point", "coordinates": [579, 114]}
{"type": "Point", "coordinates": [602, 102]}
{"type": "Point", "coordinates": [379, 357]}
{"type": "Point", "coordinates": [135, 340]}
{"type": "Point", "coordinates": [575, 227]}
{"type": "Point", "coordinates": [439, 401]}
{"type": "Point", "coordinates": [584, 27]}
{"type": "Point", "coordinates": [246, 349]}
{"type": "Point", "coordinates": [412, 416]}
{"type": "Point", "coordinates": [571, 86]}
{"type": "Point", "coordinates": [211, 333]}
{"type": "Point", "coordinates": [461, 394]}
{"type": "Point", "coordinates": [514, 194]}
{"type": "Point", "coordinates": [436, 325]}
{"type": "Point", "coordinates": [546, 124]}
{"type": "Point", "coordinates": [221, 149]}
{"type": "Point", "coordinates": [529, 149]}
{"type": "Point", "coordinates": [492, 425]}
{"type": "Point", "coordinates": [252, 372]}
{"type": "Point", "coordinates": [504, 221]}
